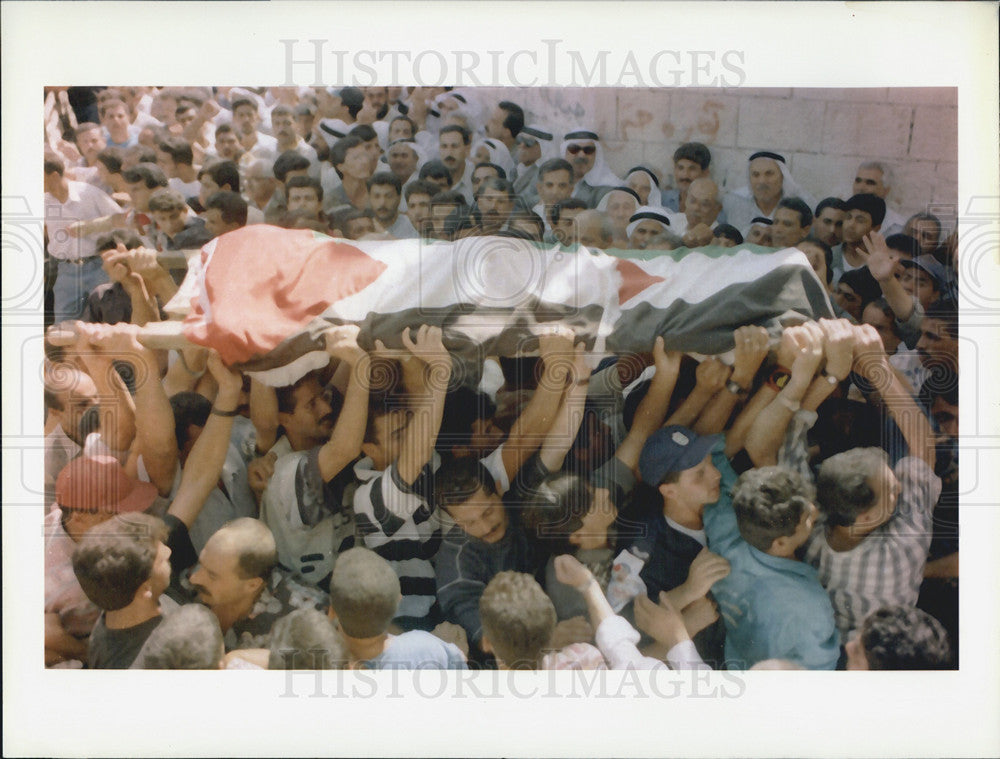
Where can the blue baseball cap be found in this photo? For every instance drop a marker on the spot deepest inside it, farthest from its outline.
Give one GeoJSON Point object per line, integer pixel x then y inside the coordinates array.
{"type": "Point", "coordinates": [672, 449]}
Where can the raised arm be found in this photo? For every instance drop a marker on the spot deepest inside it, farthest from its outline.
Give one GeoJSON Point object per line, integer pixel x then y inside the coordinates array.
{"type": "Point", "coordinates": [428, 405]}
{"type": "Point", "coordinates": [98, 350]}
{"type": "Point", "coordinates": [710, 378]}
{"type": "Point", "coordinates": [345, 441]}
{"type": "Point", "coordinates": [768, 429]}
{"type": "Point", "coordinates": [204, 463]}
{"type": "Point", "coordinates": [882, 264]}
{"type": "Point", "coordinates": [557, 355]}
{"type": "Point", "coordinates": [567, 422]}
{"type": "Point", "coordinates": [651, 410]}
{"type": "Point", "coordinates": [264, 414]}
{"type": "Point", "coordinates": [750, 352]}
{"type": "Point", "coordinates": [871, 363]}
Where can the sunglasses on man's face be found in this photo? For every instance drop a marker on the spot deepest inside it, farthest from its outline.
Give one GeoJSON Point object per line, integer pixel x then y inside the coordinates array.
{"type": "Point", "coordinates": [585, 149]}
{"type": "Point", "coordinates": [527, 142]}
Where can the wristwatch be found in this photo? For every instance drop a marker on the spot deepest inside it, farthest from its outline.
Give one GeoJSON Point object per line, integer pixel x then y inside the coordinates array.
{"type": "Point", "coordinates": [737, 389]}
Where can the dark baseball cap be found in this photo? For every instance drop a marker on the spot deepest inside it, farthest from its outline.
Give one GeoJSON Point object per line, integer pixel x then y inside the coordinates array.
{"type": "Point", "coordinates": [672, 449]}
{"type": "Point", "coordinates": [930, 265]}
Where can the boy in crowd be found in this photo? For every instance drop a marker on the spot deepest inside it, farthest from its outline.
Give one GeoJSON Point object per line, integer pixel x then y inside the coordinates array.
{"type": "Point", "coordinates": [364, 596]}
{"type": "Point", "coordinates": [123, 566]}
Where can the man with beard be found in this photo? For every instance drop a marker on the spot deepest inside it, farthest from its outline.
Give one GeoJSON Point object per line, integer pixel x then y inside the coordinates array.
{"type": "Point", "coordinates": [496, 201]}
{"type": "Point", "coordinates": [383, 196]}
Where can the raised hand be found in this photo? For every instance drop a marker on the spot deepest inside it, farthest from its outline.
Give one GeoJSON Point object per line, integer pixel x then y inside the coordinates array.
{"type": "Point", "coordinates": [569, 571]}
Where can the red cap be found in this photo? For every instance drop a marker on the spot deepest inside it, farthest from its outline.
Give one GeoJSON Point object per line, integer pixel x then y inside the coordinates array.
{"type": "Point", "coordinates": [99, 483]}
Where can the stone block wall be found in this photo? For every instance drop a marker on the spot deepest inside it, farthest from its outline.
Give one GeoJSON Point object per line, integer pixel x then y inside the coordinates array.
{"type": "Point", "coordinates": [824, 133]}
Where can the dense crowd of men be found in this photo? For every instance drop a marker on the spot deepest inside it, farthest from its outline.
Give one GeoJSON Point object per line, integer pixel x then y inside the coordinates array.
{"type": "Point", "coordinates": [793, 507]}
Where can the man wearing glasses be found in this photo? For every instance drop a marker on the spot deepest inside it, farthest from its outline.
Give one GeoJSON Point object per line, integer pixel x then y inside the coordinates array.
{"type": "Point", "coordinates": [593, 178]}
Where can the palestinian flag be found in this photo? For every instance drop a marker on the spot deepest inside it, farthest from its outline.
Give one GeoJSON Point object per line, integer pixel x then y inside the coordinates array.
{"type": "Point", "coordinates": [262, 296]}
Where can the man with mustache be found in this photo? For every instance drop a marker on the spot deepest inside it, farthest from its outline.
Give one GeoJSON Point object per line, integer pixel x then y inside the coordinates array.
{"type": "Point", "coordinates": [453, 147]}
{"type": "Point", "coordinates": [303, 504]}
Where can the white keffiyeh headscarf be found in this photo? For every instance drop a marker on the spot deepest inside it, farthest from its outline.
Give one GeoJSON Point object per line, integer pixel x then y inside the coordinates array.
{"type": "Point", "coordinates": [600, 175]}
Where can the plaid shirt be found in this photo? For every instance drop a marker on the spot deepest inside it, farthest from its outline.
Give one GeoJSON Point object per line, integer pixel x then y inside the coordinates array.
{"type": "Point", "coordinates": [886, 567]}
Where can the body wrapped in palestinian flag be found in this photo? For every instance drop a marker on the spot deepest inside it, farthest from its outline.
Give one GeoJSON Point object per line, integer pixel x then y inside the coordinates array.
{"type": "Point", "coordinates": [262, 296]}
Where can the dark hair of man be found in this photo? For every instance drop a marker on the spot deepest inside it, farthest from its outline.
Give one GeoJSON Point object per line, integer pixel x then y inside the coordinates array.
{"type": "Point", "coordinates": [190, 409]}
{"type": "Point", "coordinates": [462, 407]}
{"type": "Point", "coordinates": [499, 169]}
{"type": "Point", "coordinates": [458, 480]}
{"type": "Point", "coordinates": [695, 152]}
{"type": "Point", "coordinates": [496, 183]}
{"type": "Point", "coordinates": [282, 110]}
{"type": "Point", "coordinates": [830, 202]}
{"type": "Point", "coordinates": [285, 394]}
{"type": "Point", "coordinates": [517, 618]}
{"type": "Point", "coordinates": [827, 254]}
{"type": "Point", "coordinates": [224, 129]}
{"type": "Point", "coordinates": [466, 135]}
{"type": "Point", "coordinates": [290, 160]}
{"type": "Point", "coordinates": [166, 199]}
{"type": "Point", "coordinates": [527, 217]}
{"type": "Point", "coordinates": [448, 198]}
{"type": "Point", "coordinates": [556, 510]}
{"type": "Point", "coordinates": [863, 283]}
{"type": "Point", "coordinates": [110, 240]}
{"type": "Point", "coordinates": [729, 232]}
{"type": "Point", "coordinates": [364, 593]}
{"type": "Point", "coordinates": [905, 244]}
{"type": "Point", "coordinates": [386, 178]}
{"type": "Point", "coordinates": [800, 207]}
{"type": "Point", "coordinates": [556, 209]}
{"type": "Point", "coordinates": [943, 383]}
{"type": "Point", "coordinates": [555, 164]}
{"type": "Point", "coordinates": [435, 169]}
{"type": "Point", "coordinates": [769, 502]}
{"type": "Point", "coordinates": [306, 639]}
{"type": "Point", "coordinates": [241, 101]}
{"type": "Point", "coordinates": [187, 639]}
{"type": "Point", "coordinates": [420, 187]}
{"type": "Point", "coordinates": [364, 132]}
{"type": "Point", "coordinates": [112, 159]}
{"type": "Point", "coordinates": [408, 120]}
{"type": "Point", "coordinates": [116, 557]}
{"type": "Point", "coordinates": [149, 174]}
{"type": "Point", "coordinates": [178, 148]}
{"type": "Point", "coordinates": [54, 164]}
{"type": "Point", "coordinates": [310, 182]}
{"type": "Point", "coordinates": [514, 121]}
{"type": "Point", "coordinates": [883, 305]}
{"type": "Point", "coordinates": [945, 310]}
{"type": "Point", "coordinates": [904, 638]}
{"type": "Point", "coordinates": [338, 151]}
{"type": "Point", "coordinates": [223, 173]}
{"type": "Point", "coordinates": [231, 206]}
{"type": "Point", "coordinates": [843, 484]}
{"type": "Point", "coordinates": [870, 204]}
